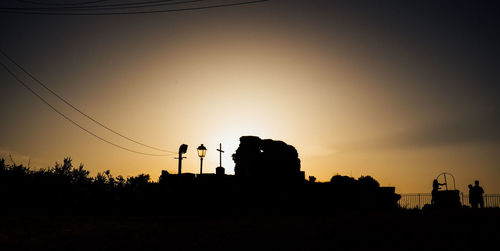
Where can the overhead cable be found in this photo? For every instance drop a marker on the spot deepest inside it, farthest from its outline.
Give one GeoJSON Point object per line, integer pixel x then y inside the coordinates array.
{"type": "Point", "coordinates": [69, 119]}
{"type": "Point", "coordinates": [82, 13]}
{"type": "Point", "coordinates": [115, 6]}
{"type": "Point", "coordinates": [75, 108]}
{"type": "Point", "coordinates": [59, 4]}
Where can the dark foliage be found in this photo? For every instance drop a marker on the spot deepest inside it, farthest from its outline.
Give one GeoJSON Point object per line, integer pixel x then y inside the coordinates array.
{"type": "Point", "coordinates": [64, 186]}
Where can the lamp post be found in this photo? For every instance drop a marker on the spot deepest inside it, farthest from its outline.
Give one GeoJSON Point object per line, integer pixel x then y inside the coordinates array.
{"type": "Point", "coordinates": [182, 150]}
{"type": "Point", "coordinates": [202, 151]}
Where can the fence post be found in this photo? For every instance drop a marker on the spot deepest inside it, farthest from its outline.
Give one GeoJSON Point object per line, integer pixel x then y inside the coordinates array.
{"type": "Point", "coordinates": [419, 202]}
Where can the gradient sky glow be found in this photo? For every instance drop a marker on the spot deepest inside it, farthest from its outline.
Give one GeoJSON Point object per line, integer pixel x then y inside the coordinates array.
{"type": "Point", "coordinates": [398, 91]}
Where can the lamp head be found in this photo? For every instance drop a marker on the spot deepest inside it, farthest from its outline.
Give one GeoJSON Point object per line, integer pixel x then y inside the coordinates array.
{"type": "Point", "coordinates": [183, 148]}
{"type": "Point", "coordinates": [202, 151]}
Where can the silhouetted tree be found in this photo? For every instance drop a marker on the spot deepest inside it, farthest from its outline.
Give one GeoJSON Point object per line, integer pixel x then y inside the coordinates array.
{"type": "Point", "coordinates": [138, 181]}
{"type": "Point", "coordinates": [64, 169]}
{"type": "Point", "coordinates": [105, 178]}
{"type": "Point", "coordinates": [3, 167]}
{"type": "Point", "coordinates": [120, 181]}
{"type": "Point", "coordinates": [80, 176]}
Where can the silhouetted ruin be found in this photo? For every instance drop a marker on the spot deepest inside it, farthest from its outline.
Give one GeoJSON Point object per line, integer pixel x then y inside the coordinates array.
{"type": "Point", "coordinates": [267, 160]}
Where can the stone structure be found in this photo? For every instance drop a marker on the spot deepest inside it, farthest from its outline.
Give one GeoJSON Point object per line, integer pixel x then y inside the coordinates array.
{"type": "Point", "coordinates": [267, 160]}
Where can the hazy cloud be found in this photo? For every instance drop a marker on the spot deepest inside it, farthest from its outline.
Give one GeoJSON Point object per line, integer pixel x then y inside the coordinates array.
{"type": "Point", "coordinates": [466, 130]}
{"type": "Point", "coordinates": [316, 150]}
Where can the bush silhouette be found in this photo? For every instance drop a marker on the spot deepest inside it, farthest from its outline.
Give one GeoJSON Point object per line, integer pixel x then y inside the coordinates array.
{"type": "Point", "coordinates": [64, 187]}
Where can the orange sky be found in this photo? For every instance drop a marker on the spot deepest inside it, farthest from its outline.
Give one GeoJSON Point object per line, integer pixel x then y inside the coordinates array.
{"type": "Point", "coordinates": [354, 95]}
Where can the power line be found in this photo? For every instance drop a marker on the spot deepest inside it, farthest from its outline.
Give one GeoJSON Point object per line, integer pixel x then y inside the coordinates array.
{"type": "Point", "coordinates": [106, 5]}
{"type": "Point", "coordinates": [76, 109]}
{"type": "Point", "coordinates": [3, 10]}
{"type": "Point", "coordinates": [60, 4]}
{"type": "Point", "coordinates": [69, 119]}
{"type": "Point", "coordinates": [115, 6]}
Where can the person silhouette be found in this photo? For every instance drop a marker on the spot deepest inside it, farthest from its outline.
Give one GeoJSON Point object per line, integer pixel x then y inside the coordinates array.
{"type": "Point", "coordinates": [435, 189]}
{"type": "Point", "coordinates": [478, 194]}
{"type": "Point", "coordinates": [472, 197]}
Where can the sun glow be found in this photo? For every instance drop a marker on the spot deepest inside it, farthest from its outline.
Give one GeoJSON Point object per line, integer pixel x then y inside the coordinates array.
{"type": "Point", "coordinates": [228, 134]}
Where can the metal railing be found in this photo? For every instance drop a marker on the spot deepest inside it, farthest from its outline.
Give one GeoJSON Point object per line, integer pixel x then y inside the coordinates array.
{"type": "Point", "coordinates": [418, 200]}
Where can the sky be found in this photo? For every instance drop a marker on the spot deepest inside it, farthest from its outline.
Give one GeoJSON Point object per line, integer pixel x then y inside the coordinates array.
{"type": "Point", "coordinates": [401, 91]}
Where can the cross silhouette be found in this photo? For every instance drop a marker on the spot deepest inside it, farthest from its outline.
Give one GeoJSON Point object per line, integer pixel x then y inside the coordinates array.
{"type": "Point", "coordinates": [220, 154]}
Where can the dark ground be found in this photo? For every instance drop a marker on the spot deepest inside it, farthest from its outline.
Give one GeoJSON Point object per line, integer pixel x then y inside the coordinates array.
{"type": "Point", "coordinates": [354, 230]}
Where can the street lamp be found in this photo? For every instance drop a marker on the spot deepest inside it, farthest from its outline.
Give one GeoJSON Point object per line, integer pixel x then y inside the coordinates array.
{"type": "Point", "coordinates": [202, 151]}
{"type": "Point", "coordinates": [182, 150]}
